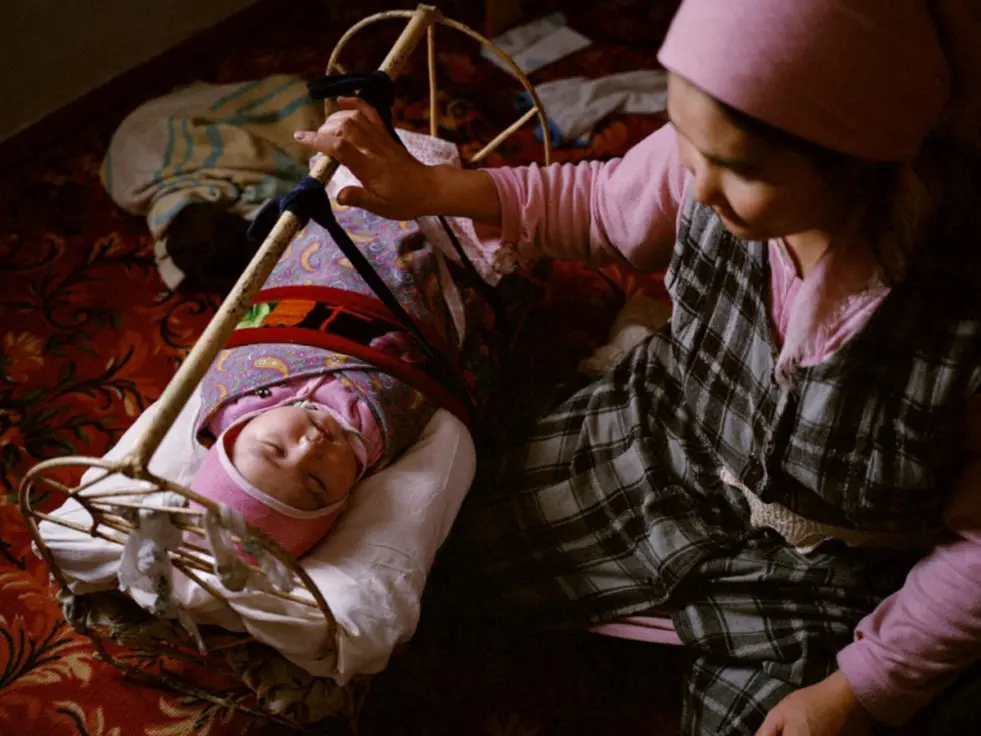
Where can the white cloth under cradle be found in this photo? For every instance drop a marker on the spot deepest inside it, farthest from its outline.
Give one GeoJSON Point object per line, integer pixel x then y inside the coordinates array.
{"type": "Point", "coordinates": [371, 568]}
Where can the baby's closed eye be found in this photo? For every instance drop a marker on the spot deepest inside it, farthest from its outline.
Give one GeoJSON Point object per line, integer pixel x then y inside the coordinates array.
{"type": "Point", "coordinates": [319, 488]}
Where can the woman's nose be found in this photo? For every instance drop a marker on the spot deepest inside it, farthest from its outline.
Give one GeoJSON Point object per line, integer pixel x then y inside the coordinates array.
{"type": "Point", "coordinates": [706, 187]}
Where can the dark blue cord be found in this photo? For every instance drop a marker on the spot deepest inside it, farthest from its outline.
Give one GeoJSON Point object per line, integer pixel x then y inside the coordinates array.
{"type": "Point", "coordinates": [309, 201]}
{"type": "Point", "coordinates": [378, 90]}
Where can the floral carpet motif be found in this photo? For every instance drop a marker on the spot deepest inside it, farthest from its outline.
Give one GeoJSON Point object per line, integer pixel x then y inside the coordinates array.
{"type": "Point", "coordinates": [89, 337]}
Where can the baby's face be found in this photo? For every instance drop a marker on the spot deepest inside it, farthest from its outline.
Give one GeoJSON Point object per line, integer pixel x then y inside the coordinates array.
{"type": "Point", "coordinates": [298, 455]}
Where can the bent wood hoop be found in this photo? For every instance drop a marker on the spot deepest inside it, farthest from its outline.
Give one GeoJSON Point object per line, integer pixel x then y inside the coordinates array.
{"type": "Point", "coordinates": [437, 19]}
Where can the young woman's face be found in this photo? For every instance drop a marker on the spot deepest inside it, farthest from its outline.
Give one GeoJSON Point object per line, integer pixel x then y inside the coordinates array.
{"type": "Point", "coordinates": [297, 455]}
{"type": "Point", "coordinates": [759, 189]}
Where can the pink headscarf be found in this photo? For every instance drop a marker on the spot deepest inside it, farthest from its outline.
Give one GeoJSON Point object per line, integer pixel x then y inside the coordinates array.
{"type": "Point", "coordinates": [869, 78]}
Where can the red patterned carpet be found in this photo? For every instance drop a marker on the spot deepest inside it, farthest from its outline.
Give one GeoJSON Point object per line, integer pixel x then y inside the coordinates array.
{"type": "Point", "coordinates": [89, 337]}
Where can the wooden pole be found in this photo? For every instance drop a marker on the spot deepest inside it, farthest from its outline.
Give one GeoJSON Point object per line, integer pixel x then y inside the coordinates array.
{"type": "Point", "coordinates": [221, 326]}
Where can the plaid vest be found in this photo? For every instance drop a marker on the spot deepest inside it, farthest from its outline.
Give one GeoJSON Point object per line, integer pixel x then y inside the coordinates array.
{"type": "Point", "coordinates": [869, 439]}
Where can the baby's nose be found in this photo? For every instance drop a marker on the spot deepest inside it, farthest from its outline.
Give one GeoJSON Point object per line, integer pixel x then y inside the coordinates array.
{"type": "Point", "coordinates": [311, 441]}
{"type": "Point", "coordinates": [314, 437]}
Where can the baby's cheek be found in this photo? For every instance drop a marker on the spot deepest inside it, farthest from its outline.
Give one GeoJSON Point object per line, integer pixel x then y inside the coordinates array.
{"type": "Point", "coordinates": [686, 155]}
{"type": "Point", "coordinates": [343, 469]}
{"type": "Point", "coordinates": [290, 493]}
{"type": "Point", "coordinates": [286, 494]}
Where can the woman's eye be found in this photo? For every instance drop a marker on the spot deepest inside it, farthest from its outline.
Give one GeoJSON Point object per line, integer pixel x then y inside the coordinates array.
{"type": "Point", "coordinates": [746, 173]}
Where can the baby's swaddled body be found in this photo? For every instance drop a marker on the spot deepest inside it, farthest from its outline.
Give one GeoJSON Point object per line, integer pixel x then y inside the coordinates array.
{"type": "Point", "coordinates": [320, 385]}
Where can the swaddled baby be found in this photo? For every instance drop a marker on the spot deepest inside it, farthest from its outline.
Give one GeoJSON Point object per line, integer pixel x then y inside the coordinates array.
{"type": "Point", "coordinates": [320, 385]}
{"type": "Point", "coordinates": [289, 465]}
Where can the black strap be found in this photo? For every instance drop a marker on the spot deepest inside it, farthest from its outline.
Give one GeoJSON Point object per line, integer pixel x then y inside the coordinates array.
{"type": "Point", "coordinates": [375, 88]}
{"type": "Point", "coordinates": [309, 201]}
{"type": "Point", "coordinates": [378, 90]}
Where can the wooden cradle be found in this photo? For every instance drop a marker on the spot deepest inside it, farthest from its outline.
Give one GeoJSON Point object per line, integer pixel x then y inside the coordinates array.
{"type": "Point", "coordinates": [108, 509]}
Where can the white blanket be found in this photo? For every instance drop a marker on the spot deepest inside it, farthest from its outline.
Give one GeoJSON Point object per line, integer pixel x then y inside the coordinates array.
{"type": "Point", "coordinates": [371, 568]}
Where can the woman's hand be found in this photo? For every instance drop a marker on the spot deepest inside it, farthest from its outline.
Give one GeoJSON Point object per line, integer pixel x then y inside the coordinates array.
{"type": "Point", "coordinates": [828, 708]}
{"type": "Point", "coordinates": [393, 183]}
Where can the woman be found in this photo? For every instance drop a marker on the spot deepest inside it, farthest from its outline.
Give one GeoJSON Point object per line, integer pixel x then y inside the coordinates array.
{"type": "Point", "coordinates": [771, 466]}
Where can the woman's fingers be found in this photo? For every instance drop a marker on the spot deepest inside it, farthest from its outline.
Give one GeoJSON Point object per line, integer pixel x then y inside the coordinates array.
{"type": "Point", "coordinates": [357, 120]}
{"type": "Point", "coordinates": [338, 125]}
{"type": "Point", "coordinates": [356, 137]}
{"type": "Point", "coordinates": [770, 727]}
{"type": "Point", "coordinates": [351, 128]}
{"type": "Point", "coordinates": [341, 149]}
{"type": "Point", "coordinates": [339, 130]}
{"type": "Point", "coordinates": [358, 105]}
{"type": "Point", "coordinates": [358, 197]}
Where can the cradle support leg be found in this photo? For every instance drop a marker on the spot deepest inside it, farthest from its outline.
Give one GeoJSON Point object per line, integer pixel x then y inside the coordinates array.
{"type": "Point", "coordinates": [433, 92]}
{"type": "Point", "coordinates": [216, 334]}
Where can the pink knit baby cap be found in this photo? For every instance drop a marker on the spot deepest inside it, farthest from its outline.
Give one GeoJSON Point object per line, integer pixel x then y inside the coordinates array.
{"type": "Point", "coordinates": [296, 531]}
{"type": "Point", "coordinates": [867, 78]}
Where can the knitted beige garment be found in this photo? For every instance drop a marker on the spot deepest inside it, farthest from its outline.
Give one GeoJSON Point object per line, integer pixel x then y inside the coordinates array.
{"type": "Point", "coordinates": [806, 535]}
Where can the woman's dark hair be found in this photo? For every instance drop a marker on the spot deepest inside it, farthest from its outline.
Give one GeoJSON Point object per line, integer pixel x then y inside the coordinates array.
{"type": "Point", "coordinates": [824, 157]}
{"type": "Point", "coordinates": [947, 270]}
{"type": "Point", "coordinates": [949, 267]}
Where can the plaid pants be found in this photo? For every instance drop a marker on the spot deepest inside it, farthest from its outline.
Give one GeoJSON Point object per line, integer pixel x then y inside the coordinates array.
{"type": "Point", "coordinates": [608, 510]}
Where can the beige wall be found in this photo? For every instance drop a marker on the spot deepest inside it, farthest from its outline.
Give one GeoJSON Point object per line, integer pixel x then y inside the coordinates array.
{"type": "Point", "coordinates": [54, 51]}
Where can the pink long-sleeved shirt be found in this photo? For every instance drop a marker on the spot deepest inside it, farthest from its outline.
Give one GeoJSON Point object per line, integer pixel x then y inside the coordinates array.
{"type": "Point", "coordinates": [627, 210]}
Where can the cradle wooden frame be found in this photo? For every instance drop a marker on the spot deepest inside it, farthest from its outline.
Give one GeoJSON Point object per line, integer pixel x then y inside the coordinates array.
{"type": "Point", "coordinates": [108, 509]}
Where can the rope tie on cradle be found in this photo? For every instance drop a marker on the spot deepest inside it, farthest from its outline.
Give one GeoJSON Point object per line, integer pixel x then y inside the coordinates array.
{"type": "Point", "coordinates": [309, 201]}
{"type": "Point", "coordinates": [378, 90]}
{"type": "Point", "coordinates": [146, 572]}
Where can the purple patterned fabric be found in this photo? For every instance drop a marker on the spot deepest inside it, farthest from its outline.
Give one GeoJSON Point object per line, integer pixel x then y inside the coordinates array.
{"type": "Point", "coordinates": [406, 262]}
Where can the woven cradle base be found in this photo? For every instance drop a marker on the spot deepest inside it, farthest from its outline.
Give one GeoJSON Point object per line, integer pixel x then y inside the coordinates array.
{"type": "Point", "coordinates": [235, 673]}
